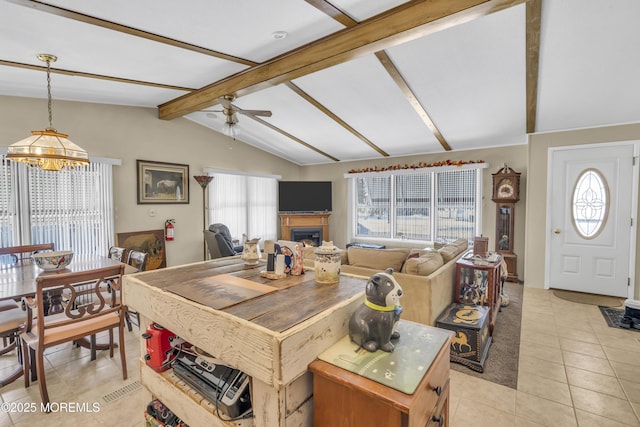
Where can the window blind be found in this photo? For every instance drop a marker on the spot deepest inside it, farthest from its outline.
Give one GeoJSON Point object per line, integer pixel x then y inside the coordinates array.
{"type": "Point", "coordinates": [244, 203]}
{"type": "Point", "coordinates": [430, 204]}
{"type": "Point", "coordinates": [71, 208]}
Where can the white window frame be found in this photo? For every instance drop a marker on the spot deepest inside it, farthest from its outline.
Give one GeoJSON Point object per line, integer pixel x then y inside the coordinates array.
{"type": "Point", "coordinates": [352, 195]}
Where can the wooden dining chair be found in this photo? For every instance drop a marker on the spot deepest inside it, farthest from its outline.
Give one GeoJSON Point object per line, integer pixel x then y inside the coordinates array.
{"type": "Point", "coordinates": [138, 260]}
{"type": "Point", "coordinates": [76, 321]}
{"type": "Point", "coordinates": [18, 254]}
{"type": "Point", "coordinates": [12, 323]}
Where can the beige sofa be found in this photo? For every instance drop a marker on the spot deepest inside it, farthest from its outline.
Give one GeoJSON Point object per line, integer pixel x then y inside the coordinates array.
{"type": "Point", "coordinates": [427, 276]}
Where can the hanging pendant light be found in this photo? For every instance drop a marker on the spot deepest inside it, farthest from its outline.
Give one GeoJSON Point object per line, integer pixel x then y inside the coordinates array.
{"type": "Point", "coordinates": [48, 149]}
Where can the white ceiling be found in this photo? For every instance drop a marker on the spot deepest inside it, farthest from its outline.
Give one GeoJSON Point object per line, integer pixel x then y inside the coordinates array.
{"type": "Point", "coordinates": [470, 78]}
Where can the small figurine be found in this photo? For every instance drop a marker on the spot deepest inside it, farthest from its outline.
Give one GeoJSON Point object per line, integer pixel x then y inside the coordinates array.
{"type": "Point", "coordinates": [373, 325]}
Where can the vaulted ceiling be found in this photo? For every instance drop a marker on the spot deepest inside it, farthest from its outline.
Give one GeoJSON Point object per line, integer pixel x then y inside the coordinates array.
{"type": "Point", "coordinates": [350, 79]}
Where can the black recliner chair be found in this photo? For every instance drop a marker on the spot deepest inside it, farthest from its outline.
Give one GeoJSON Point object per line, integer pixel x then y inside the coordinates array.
{"type": "Point", "coordinates": [219, 241]}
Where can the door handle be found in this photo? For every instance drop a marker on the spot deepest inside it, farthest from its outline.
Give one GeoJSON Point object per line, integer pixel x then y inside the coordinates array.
{"type": "Point", "coordinates": [556, 231]}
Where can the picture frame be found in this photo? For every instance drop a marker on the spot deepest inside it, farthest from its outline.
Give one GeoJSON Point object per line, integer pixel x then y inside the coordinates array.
{"type": "Point", "coordinates": [162, 183]}
{"type": "Point", "coordinates": [148, 241]}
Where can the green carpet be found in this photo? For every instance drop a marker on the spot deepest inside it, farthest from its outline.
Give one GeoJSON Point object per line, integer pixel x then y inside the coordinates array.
{"type": "Point", "coordinates": [501, 366]}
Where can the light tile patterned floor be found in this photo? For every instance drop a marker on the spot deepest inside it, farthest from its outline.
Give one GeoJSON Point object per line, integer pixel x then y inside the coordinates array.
{"type": "Point", "coordinates": [574, 371]}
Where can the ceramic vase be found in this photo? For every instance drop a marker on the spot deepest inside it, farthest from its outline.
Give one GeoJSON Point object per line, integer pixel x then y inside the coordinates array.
{"type": "Point", "coordinates": [251, 252]}
{"type": "Point", "coordinates": [327, 263]}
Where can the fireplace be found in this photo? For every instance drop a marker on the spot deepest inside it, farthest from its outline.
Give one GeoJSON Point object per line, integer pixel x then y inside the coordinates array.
{"type": "Point", "coordinates": [308, 236]}
{"type": "Point", "coordinates": [312, 226]}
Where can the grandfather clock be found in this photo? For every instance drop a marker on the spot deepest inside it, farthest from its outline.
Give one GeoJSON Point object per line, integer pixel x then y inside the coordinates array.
{"type": "Point", "coordinates": [506, 192]}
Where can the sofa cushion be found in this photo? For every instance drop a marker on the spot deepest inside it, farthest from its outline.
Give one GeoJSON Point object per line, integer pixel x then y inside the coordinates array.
{"type": "Point", "coordinates": [379, 259]}
{"type": "Point", "coordinates": [452, 250]}
{"type": "Point", "coordinates": [463, 244]}
{"type": "Point", "coordinates": [423, 265]}
{"type": "Point", "coordinates": [309, 254]}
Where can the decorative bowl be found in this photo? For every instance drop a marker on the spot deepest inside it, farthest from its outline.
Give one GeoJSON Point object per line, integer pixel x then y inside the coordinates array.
{"type": "Point", "coordinates": [54, 260]}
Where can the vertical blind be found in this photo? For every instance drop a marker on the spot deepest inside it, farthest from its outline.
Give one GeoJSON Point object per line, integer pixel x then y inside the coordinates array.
{"type": "Point", "coordinates": [439, 204]}
{"type": "Point", "coordinates": [244, 203]}
{"type": "Point", "coordinates": [71, 208]}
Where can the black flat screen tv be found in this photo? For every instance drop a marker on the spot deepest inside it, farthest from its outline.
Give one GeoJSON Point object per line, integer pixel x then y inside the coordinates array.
{"type": "Point", "coordinates": [304, 196]}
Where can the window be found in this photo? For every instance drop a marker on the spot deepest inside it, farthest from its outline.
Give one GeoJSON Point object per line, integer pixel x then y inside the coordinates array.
{"type": "Point", "coordinates": [430, 204]}
{"type": "Point", "coordinates": [246, 204]}
{"type": "Point", "coordinates": [71, 208]}
{"type": "Point", "coordinates": [590, 204]}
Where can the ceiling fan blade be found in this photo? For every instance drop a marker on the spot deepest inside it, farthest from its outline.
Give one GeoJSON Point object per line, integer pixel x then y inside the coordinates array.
{"type": "Point", "coordinates": [263, 113]}
{"type": "Point", "coordinates": [212, 111]}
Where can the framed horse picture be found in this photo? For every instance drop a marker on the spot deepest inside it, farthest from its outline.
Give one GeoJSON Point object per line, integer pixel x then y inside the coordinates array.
{"type": "Point", "coordinates": [162, 183]}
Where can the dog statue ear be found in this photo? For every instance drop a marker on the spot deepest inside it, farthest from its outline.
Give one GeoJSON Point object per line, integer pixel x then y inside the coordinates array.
{"type": "Point", "coordinates": [389, 270]}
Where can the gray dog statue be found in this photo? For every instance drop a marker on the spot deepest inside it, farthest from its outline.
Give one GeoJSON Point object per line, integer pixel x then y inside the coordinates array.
{"type": "Point", "coordinates": [373, 324]}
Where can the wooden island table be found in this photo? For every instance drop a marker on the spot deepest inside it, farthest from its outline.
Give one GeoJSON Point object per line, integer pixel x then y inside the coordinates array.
{"type": "Point", "coordinates": [269, 329]}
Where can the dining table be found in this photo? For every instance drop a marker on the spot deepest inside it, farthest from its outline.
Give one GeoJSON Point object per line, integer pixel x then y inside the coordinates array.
{"type": "Point", "coordinates": [18, 280]}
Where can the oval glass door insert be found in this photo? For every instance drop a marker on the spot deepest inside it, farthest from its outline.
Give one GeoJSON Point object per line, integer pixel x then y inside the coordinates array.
{"type": "Point", "coordinates": [590, 203]}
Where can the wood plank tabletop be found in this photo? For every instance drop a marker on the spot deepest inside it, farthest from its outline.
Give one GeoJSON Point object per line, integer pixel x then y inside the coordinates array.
{"type": "Point", "coordinates": [274, 304]}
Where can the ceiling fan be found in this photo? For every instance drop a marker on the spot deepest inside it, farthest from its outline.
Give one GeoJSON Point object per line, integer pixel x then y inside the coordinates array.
{"type": "Point", "coordinates": [231, 111]}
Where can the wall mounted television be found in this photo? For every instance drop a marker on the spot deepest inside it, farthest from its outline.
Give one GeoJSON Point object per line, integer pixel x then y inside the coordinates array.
{"type": "Point", "coordinates": [304, 196]}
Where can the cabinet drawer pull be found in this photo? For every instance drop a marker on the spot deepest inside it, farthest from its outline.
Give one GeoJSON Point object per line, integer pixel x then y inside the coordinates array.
{"type": "Point", "coordinates": [438, 390]}
{"type": "Point", "coordinates": [439, 420]}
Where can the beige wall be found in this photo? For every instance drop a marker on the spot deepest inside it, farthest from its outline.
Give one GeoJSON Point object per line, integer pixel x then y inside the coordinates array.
{"type": "Point", "coordinates": [537, 188]}
{"type": "Point", "coordinates": [515, 156]}
{"type": "Point", "coordinates": [130, 133]}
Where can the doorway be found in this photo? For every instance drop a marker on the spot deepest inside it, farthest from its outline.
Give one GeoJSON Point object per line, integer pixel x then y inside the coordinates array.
{"type": "Point", "coordinates": [590, 206]}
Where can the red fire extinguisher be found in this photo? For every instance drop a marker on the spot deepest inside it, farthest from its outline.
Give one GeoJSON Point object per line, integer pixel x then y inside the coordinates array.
{"type": "Point", "coordinates": [169, 228]}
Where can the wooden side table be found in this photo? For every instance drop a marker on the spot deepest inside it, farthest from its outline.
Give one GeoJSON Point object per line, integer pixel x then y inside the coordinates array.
{"type": "Point", "coordinates": [479, 283]}
{"type": "Point", "coordinates": [346, 399]}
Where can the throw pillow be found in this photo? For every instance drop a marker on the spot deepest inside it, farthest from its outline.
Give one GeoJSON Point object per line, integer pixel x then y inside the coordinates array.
{"type": "Point", "coordinates": [449, 252]}
{"type": "Point", "coordinates": [424, 265]}
{"type": "Point", "coordinates": [379, 259]}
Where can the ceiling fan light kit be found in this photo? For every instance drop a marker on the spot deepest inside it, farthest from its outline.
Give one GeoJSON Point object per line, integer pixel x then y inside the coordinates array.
{"type": "Point", "coordinates": [48, 149]}
{"type": "Point", "coordinates": [231, 112]}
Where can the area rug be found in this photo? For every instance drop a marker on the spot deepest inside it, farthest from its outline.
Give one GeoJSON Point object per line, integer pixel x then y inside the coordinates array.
{"type": "Point", "coordinates": [613, 315]}
{"type": "Point", "coordinates": [593, 299]}
{"type": "Point", "coordinates": [501, 366]}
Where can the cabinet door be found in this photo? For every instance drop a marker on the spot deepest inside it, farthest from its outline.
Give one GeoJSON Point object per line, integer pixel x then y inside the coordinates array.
{"type": "Point", "coordinates": [473, 285]}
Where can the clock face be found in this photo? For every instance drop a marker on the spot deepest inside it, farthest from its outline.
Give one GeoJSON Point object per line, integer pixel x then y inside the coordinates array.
{"type": "Point", "coordinates": [505, 189]}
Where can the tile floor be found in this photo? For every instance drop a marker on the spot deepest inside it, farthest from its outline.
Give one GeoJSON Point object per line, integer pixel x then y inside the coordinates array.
{"type": "Point", "coordinates": [574, 371]}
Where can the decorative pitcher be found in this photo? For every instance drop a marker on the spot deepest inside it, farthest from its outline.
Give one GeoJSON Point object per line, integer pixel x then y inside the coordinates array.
{"type": "Point", "coordinates": [327, 263]}
{"type": "Point", "coordinates": [251, 252]}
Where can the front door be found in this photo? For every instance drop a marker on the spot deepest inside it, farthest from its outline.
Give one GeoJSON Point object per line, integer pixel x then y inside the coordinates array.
{"type": "Point", "coordinates": [589, 222]}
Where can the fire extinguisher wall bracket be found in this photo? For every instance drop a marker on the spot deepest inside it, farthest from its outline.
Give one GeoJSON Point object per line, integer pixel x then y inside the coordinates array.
{"type": "Point", "coordinates": [169, 229]}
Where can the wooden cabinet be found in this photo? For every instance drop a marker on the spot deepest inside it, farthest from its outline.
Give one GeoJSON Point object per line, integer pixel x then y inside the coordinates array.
{"type": "Point", "coordinates": [479, 283]}
{"type": "Point", "coordinates": [343, 398]}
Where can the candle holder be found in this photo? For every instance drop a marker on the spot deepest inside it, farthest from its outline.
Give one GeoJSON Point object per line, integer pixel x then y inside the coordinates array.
{"type": "Point", "coordinates": [204, 181]}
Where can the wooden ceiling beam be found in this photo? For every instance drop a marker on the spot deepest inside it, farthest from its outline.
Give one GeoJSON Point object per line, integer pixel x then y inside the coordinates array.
{"type": "Point", "coordinates": [534, 17]}
{"type": "Point", "coordinates": [88, 19]}
{"type": "Point", "coordinates": [406, 22]}
{"type": "Point", "coordinates": [295, 138]}
{"type": "Point", "coordinates": [334, 117]}
{"type": "Point", "coordinates": [388, 64]}
{"type": "Point", "coordinates": [93, 76]}
{"type": "Point", "coordinates": [332, 11]}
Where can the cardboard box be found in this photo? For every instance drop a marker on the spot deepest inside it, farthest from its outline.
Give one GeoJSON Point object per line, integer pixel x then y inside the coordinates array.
{"type": "Point", "coordinates": [471, 342]}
